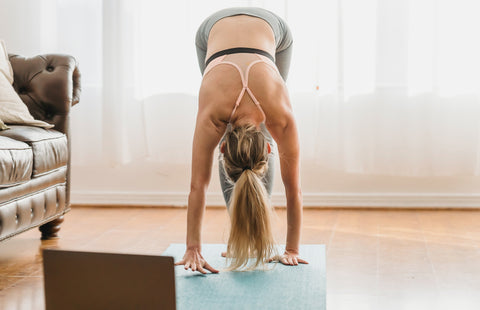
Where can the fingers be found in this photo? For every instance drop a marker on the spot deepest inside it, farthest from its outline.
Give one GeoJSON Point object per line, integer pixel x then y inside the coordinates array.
{"type": "Point", "coordinates": [302, 261]}
{"type": "Point", "coordinates": [201, 269]}
{"type": "Point", "coordinates": [210, 268]}
{"type": "Point", "coordinates": [198, 267]}
{"type": "Point", "coordinates": [286, 260]}
{"type": "Point", "coordinates": [275, 258]}
{"type": "Point", "coordinates": [292, 260]}
{"type": "Point", "coordinates": [194, 260]}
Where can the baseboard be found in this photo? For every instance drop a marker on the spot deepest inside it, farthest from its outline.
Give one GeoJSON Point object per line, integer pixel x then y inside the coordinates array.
{"type": "Point", "coordinates": [393, 200]}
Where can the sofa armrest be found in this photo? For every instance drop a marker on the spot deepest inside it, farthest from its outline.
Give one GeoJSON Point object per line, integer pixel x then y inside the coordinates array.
{"type": "Point", "coordinates": [49, 85]}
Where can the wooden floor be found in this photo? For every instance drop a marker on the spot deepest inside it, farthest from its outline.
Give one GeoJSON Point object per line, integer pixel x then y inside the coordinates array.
{"type": "Point", "coordinates": [376, 259]}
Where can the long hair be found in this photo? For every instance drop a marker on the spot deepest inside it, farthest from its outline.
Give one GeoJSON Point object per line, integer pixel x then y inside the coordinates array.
{"type": "Point", "coordinates": [246, 162]}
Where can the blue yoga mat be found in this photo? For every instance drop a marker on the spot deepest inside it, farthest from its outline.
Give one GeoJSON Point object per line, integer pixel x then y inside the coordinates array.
{"type": "Point", "coordinates": [282, 287]}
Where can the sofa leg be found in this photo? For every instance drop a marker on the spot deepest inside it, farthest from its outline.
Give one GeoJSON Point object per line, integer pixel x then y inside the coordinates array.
{"type": "Point", "coordinates": [50, 229]}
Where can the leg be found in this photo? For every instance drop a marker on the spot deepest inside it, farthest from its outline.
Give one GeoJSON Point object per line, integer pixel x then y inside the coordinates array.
{"type": "Point", "coordinates": [201, 54]}
{"type": "Point", "coordinates": [227, 187]}
{"type": "Point", "coordinates": [283, 53]}
{"type": "Point", "coordinates": [50, 229]}
{"type": "Point", "coordinates": [268, 178]}
{"type": "Point", "coordinates": [282, 60]}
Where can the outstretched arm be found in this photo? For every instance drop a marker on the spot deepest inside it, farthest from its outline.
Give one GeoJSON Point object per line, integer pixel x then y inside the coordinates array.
{"type": "Point", "coordinates": [207, 136]}
{"type": "Point", "coordinates": [282, 126]}
{"type": "Point", "coordinates": [289, 154]}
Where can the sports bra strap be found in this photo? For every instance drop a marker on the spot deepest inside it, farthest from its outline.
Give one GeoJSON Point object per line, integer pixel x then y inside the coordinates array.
{"type": "Point", "coordinates": [219, 61]}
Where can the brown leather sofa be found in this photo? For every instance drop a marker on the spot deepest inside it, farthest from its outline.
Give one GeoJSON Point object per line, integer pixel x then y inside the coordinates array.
{"type": "Point", "coordinates": [35, 162]}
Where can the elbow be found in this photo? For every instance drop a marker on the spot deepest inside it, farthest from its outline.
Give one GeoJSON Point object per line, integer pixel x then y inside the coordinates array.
{"type": "Point", "coordinates": [292, 185]}
{"type": "Point", "coordinates": [196, 197]}
{"type": "Point", "coordinates": [198, 188]}
{"type": "Point", "coordinates": [294, 192]}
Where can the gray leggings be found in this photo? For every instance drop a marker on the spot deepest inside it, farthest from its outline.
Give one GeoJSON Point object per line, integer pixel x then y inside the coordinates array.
{"type": "Point", "coordinates": [284, 40]}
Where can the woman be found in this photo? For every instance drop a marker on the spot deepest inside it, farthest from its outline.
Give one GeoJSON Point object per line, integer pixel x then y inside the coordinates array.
{"type": "Point", "coordinates": [244, 56]}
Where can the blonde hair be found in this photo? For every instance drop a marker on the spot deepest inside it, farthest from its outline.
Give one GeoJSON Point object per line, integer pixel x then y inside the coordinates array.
{"type": "Point", "coordinates": [246, 162]}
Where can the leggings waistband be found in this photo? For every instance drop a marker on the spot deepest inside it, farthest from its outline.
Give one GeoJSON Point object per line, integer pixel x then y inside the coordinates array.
{"type": "Point", "coordinates": [236, 50]}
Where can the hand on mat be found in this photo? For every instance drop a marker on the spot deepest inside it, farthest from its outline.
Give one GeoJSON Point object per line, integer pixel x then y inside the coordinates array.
{"type": "Point", "coordinates": [289, 258]}
{"type": "Point", "coordinates": [194, 260]}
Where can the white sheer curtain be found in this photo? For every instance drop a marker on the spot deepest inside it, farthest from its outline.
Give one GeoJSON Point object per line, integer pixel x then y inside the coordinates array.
{"type": "Point", "coordinates": [396, 84]}
{"type": "Point", "coordinates": [380, 87]}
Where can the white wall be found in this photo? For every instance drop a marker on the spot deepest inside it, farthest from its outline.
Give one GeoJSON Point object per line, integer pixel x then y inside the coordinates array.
{"type": "Point", "coordinates": [153, 184]}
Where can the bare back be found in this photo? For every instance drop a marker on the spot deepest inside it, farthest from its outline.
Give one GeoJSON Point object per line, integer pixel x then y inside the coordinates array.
{"type": "Point", "coordinates": [221, 87]}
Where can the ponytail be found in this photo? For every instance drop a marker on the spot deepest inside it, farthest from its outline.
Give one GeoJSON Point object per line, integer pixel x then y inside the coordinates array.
{"type": "Point", "coordinates": [251, 233]}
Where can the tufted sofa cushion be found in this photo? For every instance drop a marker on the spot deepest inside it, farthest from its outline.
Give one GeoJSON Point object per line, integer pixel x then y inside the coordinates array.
{"type": "Point", "coordinates": [49, 85]}
{"type": "Point", "coordinates": [49, 147]}
{"type": "Point", "coordinates": [16, 162]}
{"type": "Point", "coordinates": [35, 209]}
